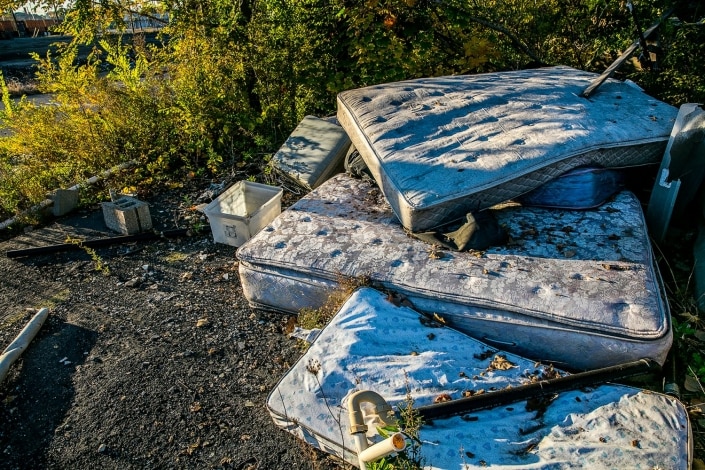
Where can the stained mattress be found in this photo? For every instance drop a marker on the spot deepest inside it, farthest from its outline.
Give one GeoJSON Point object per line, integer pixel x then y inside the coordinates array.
{"type": "Point", "coordinates": [442, 147]}
{"type": "Point", "coordinates": [373, 345]}
{"type": "Point", "coordinates": [575, 288]}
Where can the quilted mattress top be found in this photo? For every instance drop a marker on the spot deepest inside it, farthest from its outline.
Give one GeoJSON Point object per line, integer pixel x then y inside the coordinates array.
{"type": "Point", "coordinates": [373, 345]}
{"type": "Point", "coordinates": [438, 139]}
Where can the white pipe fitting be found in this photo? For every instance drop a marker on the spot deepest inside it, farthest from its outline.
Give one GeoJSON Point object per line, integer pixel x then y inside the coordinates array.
{"type": "Point", "coordinates": [394, 443]}
{"type": "Point", "coordinates": [358, 428]}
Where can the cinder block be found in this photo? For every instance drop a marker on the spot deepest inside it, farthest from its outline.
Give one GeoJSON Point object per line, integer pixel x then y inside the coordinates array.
{"type": "Point", "coordinates": [127, 215]}
{"type": "Point", "coordinates": [65, 200]}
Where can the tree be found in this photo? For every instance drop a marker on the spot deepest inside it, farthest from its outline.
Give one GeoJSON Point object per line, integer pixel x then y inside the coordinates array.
{"type": "Point", "coordinates": [223, 83]}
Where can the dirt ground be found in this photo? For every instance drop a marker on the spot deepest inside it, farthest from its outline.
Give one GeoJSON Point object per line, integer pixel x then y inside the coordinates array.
{"type": "Point", "coordinates": [153, 361]}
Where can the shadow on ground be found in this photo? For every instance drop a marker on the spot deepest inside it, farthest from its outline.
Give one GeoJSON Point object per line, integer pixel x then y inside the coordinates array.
{"type": "Point", "coordinates": [40, 384]}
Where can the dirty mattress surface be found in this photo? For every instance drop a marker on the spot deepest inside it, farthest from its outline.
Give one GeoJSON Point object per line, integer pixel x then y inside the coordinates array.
{"type": "Point", "coordinates": [373, 345]}
{"type": "Point", "coordinates": [441, 147]}
{"type": "Point", "coordinates": [576, 288]}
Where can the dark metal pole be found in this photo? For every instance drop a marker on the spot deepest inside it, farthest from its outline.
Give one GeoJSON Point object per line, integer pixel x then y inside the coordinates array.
{"type": "Point", "coordinates": [645, 57]}
{"type": "Point", "coordinates": [538, 389]}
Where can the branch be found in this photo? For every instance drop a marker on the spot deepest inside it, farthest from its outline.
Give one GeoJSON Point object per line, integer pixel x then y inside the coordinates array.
{"type": "Point", "coordinates": [134, 12]}
{"type": "Point", "coordinates": [514, 40]}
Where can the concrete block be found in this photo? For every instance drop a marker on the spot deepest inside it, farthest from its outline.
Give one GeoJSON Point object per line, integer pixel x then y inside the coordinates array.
{"type": "Point", "coordinates": [65, 200]}
{"type": "Point", "coordinates": [127, 215]}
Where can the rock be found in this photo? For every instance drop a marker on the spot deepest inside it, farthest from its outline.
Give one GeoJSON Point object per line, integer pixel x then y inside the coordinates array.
{"type": "Point", "coordinates": [103, 448]}
{"type": "Point", "coordinates": [134, 282]}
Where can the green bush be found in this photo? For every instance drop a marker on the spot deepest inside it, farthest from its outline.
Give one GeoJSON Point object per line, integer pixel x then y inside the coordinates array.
{"type": "Point", "coordinates": [228, 81]}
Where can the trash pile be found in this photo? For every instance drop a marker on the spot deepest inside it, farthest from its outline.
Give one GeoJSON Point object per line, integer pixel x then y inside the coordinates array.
{"type": "Point", "coordinates": [493, 211]}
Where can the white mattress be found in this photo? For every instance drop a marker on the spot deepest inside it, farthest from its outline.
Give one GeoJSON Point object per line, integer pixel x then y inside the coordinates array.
{"type": "Point", "coordinates": [442, 147]}
{"type": "Point", "coordinates": [372, 345]}
{"type": "Point", "coordinates": [576, 288]}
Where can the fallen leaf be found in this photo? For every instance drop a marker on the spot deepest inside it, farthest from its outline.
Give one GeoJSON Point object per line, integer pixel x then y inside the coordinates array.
{"type": "Point", "coordinates": [692, 384]}
{"type": "Point", "coordinates": [500, 362]}
{"type": "Point", "coordinates": [442, 398]}
{"type": "Point", "coordinates": [202, 322]}
{"type": "Point", "coordinates": [195, 407]}
{"type": "Point", "coordinates": [438, 318]}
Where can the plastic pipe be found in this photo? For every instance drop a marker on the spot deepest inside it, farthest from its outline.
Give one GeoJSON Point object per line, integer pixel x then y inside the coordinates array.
{"type": "Point", "coordinates": [360, 446]}
{"type": "Point", "coordinates": [379, 408]}
{"type": "Point", "coordinates": [358, 428]}
{"type": "Point", "coordinates": [394, 443]}
{"type": "Point", "coordinates": [90, 181]}
{"type": "Point", "coordinates": [17, 347]}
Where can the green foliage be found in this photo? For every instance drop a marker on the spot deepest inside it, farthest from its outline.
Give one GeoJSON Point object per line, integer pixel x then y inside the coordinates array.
{"type": "Point", "coordinates": [225, 82]}
{"type": "Point", "coordinates": [679, 79]}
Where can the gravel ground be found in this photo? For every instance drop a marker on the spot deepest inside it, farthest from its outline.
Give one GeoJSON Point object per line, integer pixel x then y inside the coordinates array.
{"type": "Point", "coordinates": [154, 361]}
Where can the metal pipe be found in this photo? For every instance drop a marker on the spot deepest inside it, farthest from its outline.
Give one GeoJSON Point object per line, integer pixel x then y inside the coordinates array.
{"type": "Point", "coordinates": [48, 202]}
{"type": "Point", "coordinates": [542, 388]}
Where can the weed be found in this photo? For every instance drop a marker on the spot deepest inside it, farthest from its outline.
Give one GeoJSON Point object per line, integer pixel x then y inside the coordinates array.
{"type": "Point", "coordinates": [314, 367]}
{"type": "Point", "coordinates": [198, 226]}
{"type": "Point", "coordinates": [97, 260]}
{"type": "Point", "coordinates": [310, 318]}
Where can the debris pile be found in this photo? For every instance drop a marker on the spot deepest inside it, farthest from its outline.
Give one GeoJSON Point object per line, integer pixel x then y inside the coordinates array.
{"type": "Point", "coordinates": [499, 204]}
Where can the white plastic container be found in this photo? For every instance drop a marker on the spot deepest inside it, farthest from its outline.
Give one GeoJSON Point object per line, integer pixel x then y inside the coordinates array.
{"type": "Point", "coordinates": [242, 211]}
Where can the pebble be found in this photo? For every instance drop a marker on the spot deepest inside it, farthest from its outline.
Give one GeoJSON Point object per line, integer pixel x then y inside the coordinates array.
{"type": "Point", "coordinates": [102, 448]}
{"type": "Point", "coordinates": [134, 282]}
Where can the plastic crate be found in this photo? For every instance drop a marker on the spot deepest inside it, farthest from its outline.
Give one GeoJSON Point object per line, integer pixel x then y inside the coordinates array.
{"type": "Point", "coordinates": [242, 211]}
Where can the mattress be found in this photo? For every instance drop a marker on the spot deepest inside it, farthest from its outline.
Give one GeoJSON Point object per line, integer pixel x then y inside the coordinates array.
{"type": "Point", "coordinates": [313, 152]}
{"type": "Point", "coordinates": [575, 288]}
{"type": "Point", "coordinates": [371, 344]}
{"type": "Point", "coordinates": [442, 147]}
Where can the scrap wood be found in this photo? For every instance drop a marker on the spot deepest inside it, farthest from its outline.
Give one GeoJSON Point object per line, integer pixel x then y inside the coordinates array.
{"type": "Point", "coordinates": [100, 242]}
{"type": "Point", "coordinates": [17, 347]}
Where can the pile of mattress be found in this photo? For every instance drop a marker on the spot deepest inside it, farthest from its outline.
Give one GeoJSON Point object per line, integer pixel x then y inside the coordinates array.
{"type": "Point", "coordinates": [373, 345]}
{"type": "Point", "coordinates": [568, 286]}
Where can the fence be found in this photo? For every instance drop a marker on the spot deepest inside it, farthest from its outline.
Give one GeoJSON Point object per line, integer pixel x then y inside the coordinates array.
{"type": "Point", "coordinates": [26, 28]}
